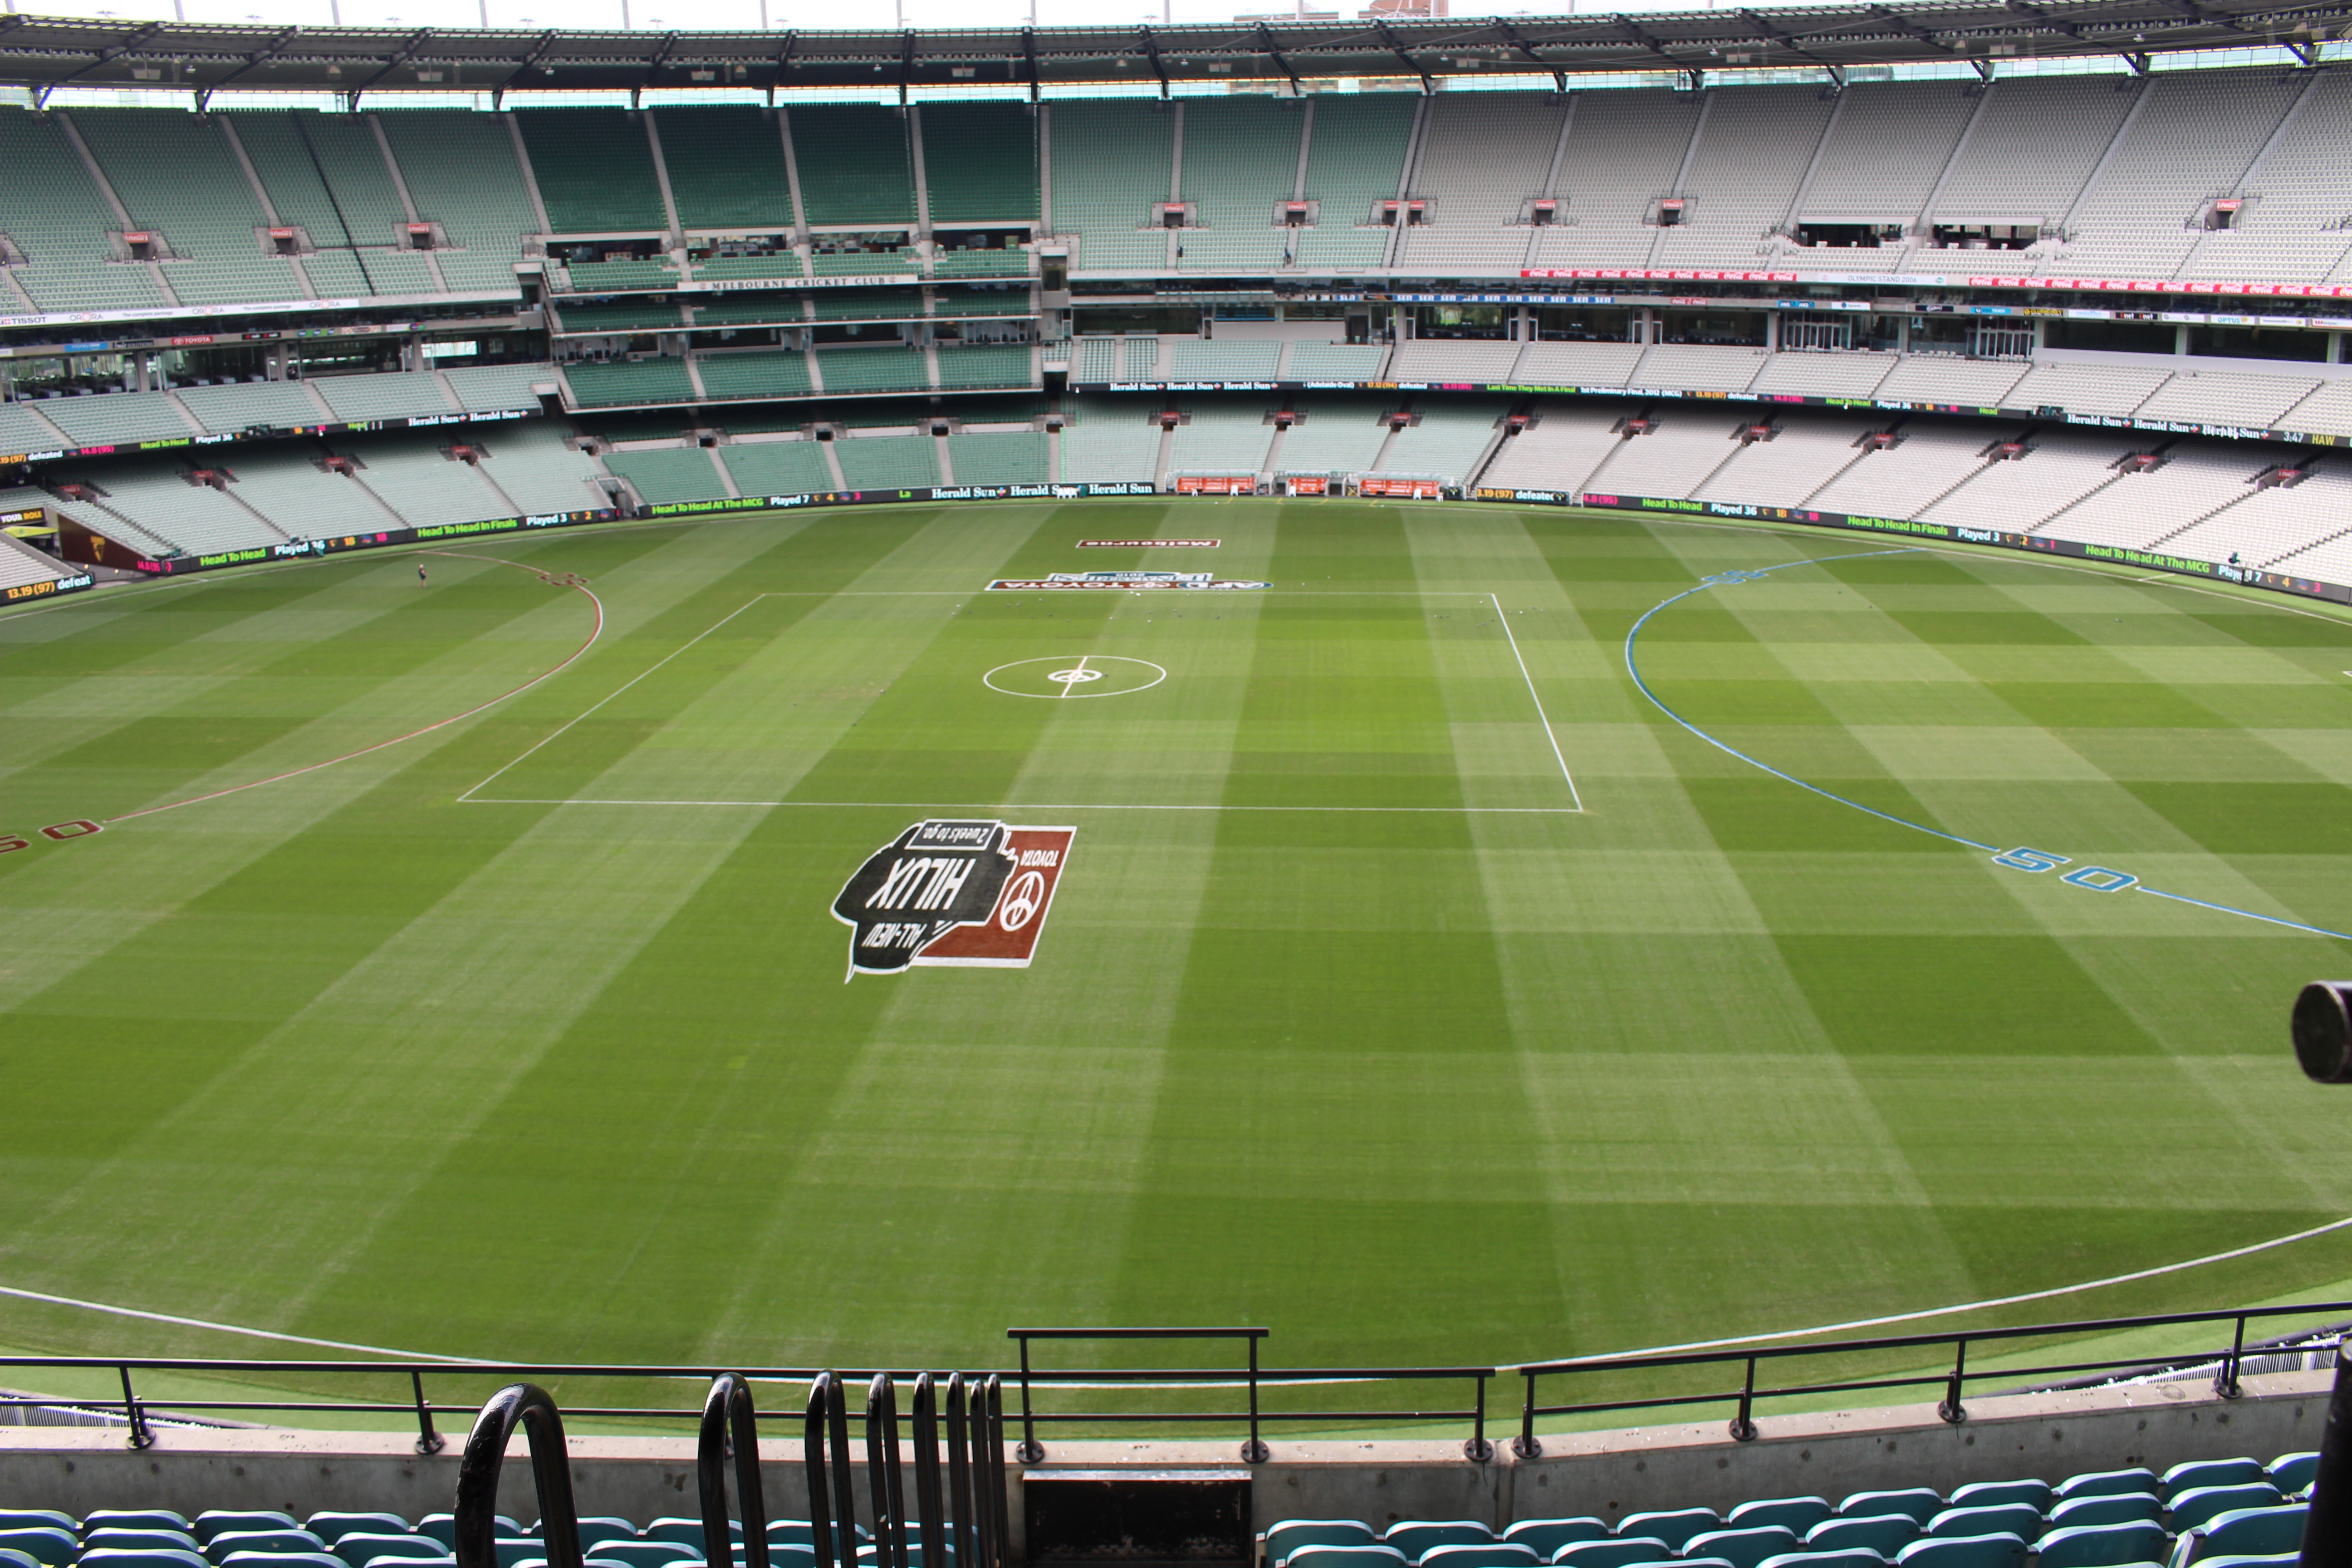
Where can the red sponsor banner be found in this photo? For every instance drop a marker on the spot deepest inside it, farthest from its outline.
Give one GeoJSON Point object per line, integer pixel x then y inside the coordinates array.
{"type": "Point", "coordinates": [1409, 489]}
{"type": "Point", "coordinates": [1215, 485]}
{"type": "Point", "coordinates": [1309, 486]}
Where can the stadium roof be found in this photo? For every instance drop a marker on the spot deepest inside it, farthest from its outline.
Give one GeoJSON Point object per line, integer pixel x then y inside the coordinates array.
{"type": "Point", "coordinates": [44, 52]}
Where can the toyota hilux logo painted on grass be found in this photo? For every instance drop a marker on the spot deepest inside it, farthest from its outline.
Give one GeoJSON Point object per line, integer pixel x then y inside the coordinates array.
{"type": "Point", "coordinates": [954, 892]}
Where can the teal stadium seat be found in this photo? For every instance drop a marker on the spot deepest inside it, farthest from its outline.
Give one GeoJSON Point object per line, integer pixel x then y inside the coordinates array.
{"type": "Point", "coordinates": [222, 1521]}
{"type": "Point", "coordinates": [12, 1558]}
{"type": "Point", "coordinates": [133, 1519]}
{"type": "Point", "coordinates": [1991, 1494]}
{"type": "Point", "coordinates": [1703, 1563]}
{"type": "Point", "coordinates": [1918, 1503]}
{"type": "Point", "coordinates": [139, 1557]}
{"type": "Point", "coordinates": [2291, 1473]}
{"type": "Point", "coordinates": [45, 1544]}
{"type": "Point", "coordinates": [2197, 1475]}
{"type": "Point", "coordinates": [119, 1538]}
{"type": "Point", "coordinates": [2107, 1483]}
{"type": "Point", "coordinates": [1798, 1514]}
{"type": "Point", "coordinates": [361, 1547]}
{"type": "Point", "coordinates": [1484, 1554]}
{"type": "Point", "coordinates": [272, 1540]}
{"type": "Point", "coordinates": [1885, 1534]}
{"type": "Point", "coordinates": [282, 1560]}
{"type": "Point", "coordinates": [1545, 1536]}
{"type": "Point", "coordinates": [593, 1531]}
{"type": "Point", "coordinates": [443, 1528]}
{"type": "Point", "coordinates": [2111, 1507]}
{"type": "Point", "coordinates": [513, 1550]}
{"type": "Point", "coordinates": [2277, 1559]}
{"type": "Point", "coordinates": [2102, 1545]}
{"type": "Point", "coordinates": [648, 1554]}
{"type": "Point", "coordinates": [1675, 1527]}
{"type": "Point", "coordinates": [1851, 1557]}
{"type": "Point", "coordinates": [2192, 1509]}
{"type": "Point", "coordinates": [1621, 1552]}
{"type": "Point", "coordinates": [1996, 1550]}
{"type": "Point", "coordinates": [686, 1531]}
{"type": "Point", "coordinates": [334, 1527]}
{"type": "Point", "coordinates": [1744, 1548]}
{"type": "Point", "coordinates": [2248, 1532]}
{"type": "Point", "coordinates": [1285, 1536]}
{"type": "Point", "coordinates": [1371, 1554]}
{"type": "Point", "coordinates": [2021, 1520]}
{"type": "Point", "coordinates": [1416, 1536]}
{"type": "Point", "coordinates": [410, 1563]}
{"type": "Point", "coordinates": [38, 1518]}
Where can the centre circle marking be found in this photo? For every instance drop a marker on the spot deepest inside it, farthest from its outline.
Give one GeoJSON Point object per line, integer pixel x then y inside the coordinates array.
{"type": "Point", "coordinates": [1067, 675]}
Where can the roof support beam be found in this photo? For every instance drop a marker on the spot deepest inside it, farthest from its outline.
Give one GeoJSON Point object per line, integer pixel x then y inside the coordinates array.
{"type": "Point", "coordinates": [1785, 42]}
{"type": "Point", "coordinates": [1519, 41]}
{"type": "Point", "coordinates": [540, 49]}
{"type": "Point", "coordinates": [400, 56]}
{"type": "Point", "coordinates": [1414, 66]}
{"type": "Point", "coordinates": [783, 63]}
{"type": "Point", "coordinates": [1266, 43]}
{"type": "Point", "coordinates": [1029, 53]}
{"type": "Point", "coordinates": [1912, 30]}
{"type": "Point", "coordinates": [107, 57]}
{"type": "Point", "coordinates": [654, 64]}
{"type": "Point", "coordinates": [258, 57]}
{"type": "Point", "coordinates": [906, 66]}
{"type": "Point", "coordinates": [1151, 53]}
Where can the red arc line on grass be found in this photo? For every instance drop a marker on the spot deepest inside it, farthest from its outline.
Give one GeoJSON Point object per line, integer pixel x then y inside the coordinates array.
{"type": "Point", "coordinates": [567, 580]}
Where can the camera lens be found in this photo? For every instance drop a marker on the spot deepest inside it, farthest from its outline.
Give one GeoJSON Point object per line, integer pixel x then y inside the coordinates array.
{"type": "Point", "coordinates": [2322, 1030]}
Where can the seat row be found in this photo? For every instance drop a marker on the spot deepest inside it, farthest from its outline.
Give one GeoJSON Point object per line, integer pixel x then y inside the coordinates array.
{"type": "Point", "coordinates": [158, 1537]}
{"type": "Point", "coordinates": [2195, 1512]}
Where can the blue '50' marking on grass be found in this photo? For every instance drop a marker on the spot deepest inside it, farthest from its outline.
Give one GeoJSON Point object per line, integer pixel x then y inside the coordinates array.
{"type": "Point", "coordinates": [2096, 879]}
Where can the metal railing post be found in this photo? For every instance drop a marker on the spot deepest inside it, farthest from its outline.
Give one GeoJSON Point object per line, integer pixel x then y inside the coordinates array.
{"type": "Point", "coordinates": [525, 1404]}
{"type": "Point", "coordinates": [1255, 1450]}
{"type": "Point", "coordinates": [1949, 1409]}
{"type": "Point", "coordinates": [1000, 1499]}
{"type": "Point", "coordinates": [142, 1437]}
{"type": "Point", "coordinates": [1031, 1451]}
{"type": "Point", "coordinates": [2225, 1380]}
{"type": "Point", "coordinates": [1524, 1445]}
{"type": "Point", "coordinates": [823, 1392]}
{"type": "Point", "coordinates": [845, 1485]}
{"type": "Point", "coordinates": [1743, 1425]}
{"type": "Point", "coordinates": [2327, 1527]}
{"type": "Point", "coordinates": [1477, 1450]}
{"type": "Point", "coordinates": [922, 1419]}
{"type": "Point", "coordinates": [967, 1540]}
{"type": "Point", "coordinates": [730, 1430]}
{"type": "Point", "coordinates": [883, 1485]}
{"type": "Point", "coordinates": [428, 1441]}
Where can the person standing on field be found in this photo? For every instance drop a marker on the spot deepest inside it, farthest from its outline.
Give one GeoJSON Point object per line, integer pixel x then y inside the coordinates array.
{"type": "Point", "coordinates": [420, 573]}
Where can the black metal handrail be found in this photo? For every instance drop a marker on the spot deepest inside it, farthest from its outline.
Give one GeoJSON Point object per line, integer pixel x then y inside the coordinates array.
{"type": "Point", "coordinates": [476, 1519]}
{"type": "Point", "coordinates": [978, 1398]}
{"type": "Point", "coordinates": [731, 1430]}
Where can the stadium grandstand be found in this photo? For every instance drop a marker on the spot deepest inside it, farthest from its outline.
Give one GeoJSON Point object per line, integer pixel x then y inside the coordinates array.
{"type": "Point", "coordinates": [1676, 497]}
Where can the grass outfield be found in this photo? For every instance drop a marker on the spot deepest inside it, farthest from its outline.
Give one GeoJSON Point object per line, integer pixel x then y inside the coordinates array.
{"type": "Point", "coordinates": [529, 1037]}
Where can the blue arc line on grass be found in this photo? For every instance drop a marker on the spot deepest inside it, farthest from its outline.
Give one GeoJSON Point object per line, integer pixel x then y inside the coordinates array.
{"type": "Point", "coordinates": [1725, 579]}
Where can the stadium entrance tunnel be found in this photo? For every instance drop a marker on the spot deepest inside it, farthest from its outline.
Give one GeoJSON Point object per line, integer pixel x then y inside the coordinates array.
{"type": "Point", "coordinates": [1137, 1516]}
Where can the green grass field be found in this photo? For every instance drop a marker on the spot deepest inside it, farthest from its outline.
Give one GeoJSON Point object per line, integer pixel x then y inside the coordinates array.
{"type": "Point", "coordinates": [529, 1037]}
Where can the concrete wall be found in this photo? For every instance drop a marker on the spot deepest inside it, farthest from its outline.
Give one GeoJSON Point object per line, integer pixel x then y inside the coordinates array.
{"type": "Point", "coordinates": [1605, 1473]}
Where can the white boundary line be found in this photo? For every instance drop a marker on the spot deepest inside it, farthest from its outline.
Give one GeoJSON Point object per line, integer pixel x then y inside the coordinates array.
{"type": "Point", "coordinates": [473, 797]}
{"type": "Point", "coordinates": [43, 1296]}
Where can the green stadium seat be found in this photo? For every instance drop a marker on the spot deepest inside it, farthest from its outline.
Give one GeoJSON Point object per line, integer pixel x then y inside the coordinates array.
{"type": "Point", "coordinates": [12, 1558]}
{"type": "Point", "coordinates": [1416, 1536]}
{"type": "Point", "coordinates": [133, 1519]}
{"type": "Point", "coordinates": [281, 1559]}
{"type": "Point", "coordinates": [1370, 1555]}
{"type": "Point", "coordinates": [142, 1557]}
{"type": "Point", "coordinates": [1546, 1536]}
{"type": "Point", "coordinates": [650, 1554]}
{"type": "Point", "coordinates": [1744, 1548]}
{"type": "Point", "coordinates": [1885, 1534]}
{"type": "Point", "coordinates": [1990, 1494]}
{"type": "Point", "coordinates": [38, 1518]}
{"type": "Point", "coordinates": [121, 1539]}
{"type": "Point", "coordinates": [1995, 1549]}
{"type": "Point", "coordinates": [334, 1527]}
{"type": "Point", "coordinates": [1620, 1552]}
{"type": "Point", "coordinates": [1485, 1554]}
{"type": "Point", "coordinates": [278, 1541]}
{"type": "Point", "coordinates": [596, 1528]}
{"type": "Point", "coordinates": [2017, 1518]}
{"type": "Point", "coordinates": [2276, 1560]}
{"type": "Point", "coordinates": [361, 1546]}
{"type": "Point", "coordinates": [410, 1563]}
{"type": "Point", "coordinates": [2108, 1483]}
{"type": "Point", "coordinates": [2114, 1507]}
{"type": "Point", "coordinates": [684, 1532]}
{"type": "Point", "coordinates": [2292, 1472]}
{"type": "Point", "coordinates": [218, 1521]}
{"type": "Point", "coordinates": [1918, 1503]}
{"type": "Point", "coordinates": [443, 1528]}
{"type": "Point", "coordinates": [44, 1544]}
{"type": "Point", "coordinates": [513, 1550]}
{"type": "Point", "coordinates": [2102, 1545]}
{"type": "Point", "coordinates": [1286, 1536]}
{"type": "Point", "coordinates": [1673, 1526]}
{"type": "Point", "coordinates": [2246, 1532]}
{"type": "Point", "coordinates": [1850, 1557]}
{"type": "Point", "coordinates": [1799, 1514]}
{"type": "Point", "coordinates": [2197, 1474]}
{"type": "Point", "coordinates": [2192, 1509]}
